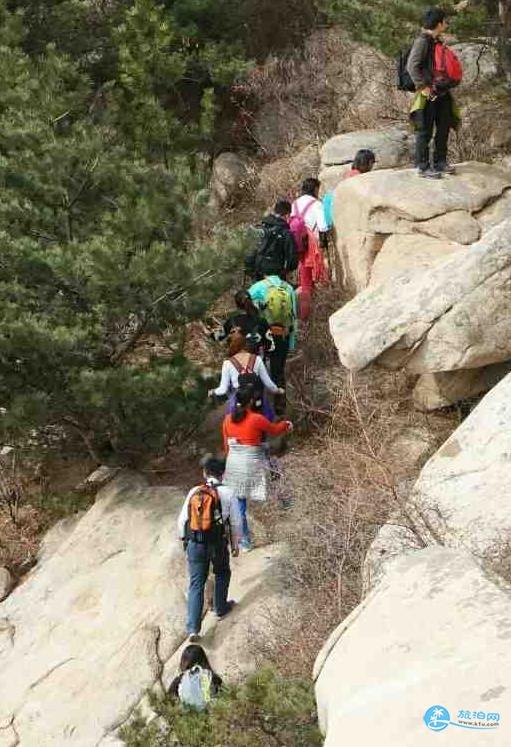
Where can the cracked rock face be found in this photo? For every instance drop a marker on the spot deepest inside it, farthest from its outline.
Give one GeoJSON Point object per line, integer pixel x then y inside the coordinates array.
{"type": "Point", "coordinates": [460, 498]}
{"type": "Point", "coordinates": [80, 639]}
{"type": "Point", "coordinates": [451, 316]}
{"type": "Point", "coordinates": [101, 619]}
{"type": "Point", "coordinates": [372, 208]}
{"type": "Point", "coordinates": [455, 315]}
{"type": "Point", "coordinates": [435, 631]}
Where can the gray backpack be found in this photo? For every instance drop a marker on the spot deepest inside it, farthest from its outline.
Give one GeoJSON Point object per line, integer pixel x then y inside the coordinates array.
{"type": "Point", "coordinates": [195, 688]}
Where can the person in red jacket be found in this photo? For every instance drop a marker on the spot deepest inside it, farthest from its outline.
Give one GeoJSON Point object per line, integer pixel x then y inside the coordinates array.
{"type": "Point", "coordinates": [247, 467]}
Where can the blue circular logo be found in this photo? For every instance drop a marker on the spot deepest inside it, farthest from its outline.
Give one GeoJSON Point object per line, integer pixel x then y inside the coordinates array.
{"type": "Point", "coordinates": [437, 718]}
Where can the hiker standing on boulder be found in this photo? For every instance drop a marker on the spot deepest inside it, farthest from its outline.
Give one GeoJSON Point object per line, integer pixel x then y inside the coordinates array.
{"type": "Point", "coordinates": [278, 303]}
{"type": "Point", "coordinates": [209, 520]}
{"type": "Point", "coordinates": [276, 251]}
{"type": "Point", "coordinates": [310, 230]}
{"type": "Point", "coordinates": [434, 70]}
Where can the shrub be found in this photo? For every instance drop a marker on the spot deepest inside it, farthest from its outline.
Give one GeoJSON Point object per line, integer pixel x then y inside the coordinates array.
{"type": "Point", "coordinates": [267, 710]}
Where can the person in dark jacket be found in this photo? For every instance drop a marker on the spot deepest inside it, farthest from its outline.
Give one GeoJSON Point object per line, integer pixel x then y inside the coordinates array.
{"type": "Point", "coordinates": [249, 321]}
{"type": "Point", "coordinates": [436, 114]}
{"type": "Point", "coordinates": [280, 254]}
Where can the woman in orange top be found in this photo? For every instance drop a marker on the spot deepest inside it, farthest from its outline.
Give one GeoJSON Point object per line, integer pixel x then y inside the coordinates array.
{"type": "Point", "coordinates": [246, 469]}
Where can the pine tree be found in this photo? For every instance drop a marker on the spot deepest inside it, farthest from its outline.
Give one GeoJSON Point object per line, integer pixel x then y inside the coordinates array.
{"type": "Point", "coordinates": [97, 250]}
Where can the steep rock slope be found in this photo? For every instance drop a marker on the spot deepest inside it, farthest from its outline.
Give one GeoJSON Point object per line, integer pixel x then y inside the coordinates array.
{"type": "Point", "coordinates": [435, 632]}
{"type": "Point", "coordinates": [449, 319]}
{"type": "Point", "coordinates": [102, 617]}
{"type": "Point", "coordinates": [459, 498]}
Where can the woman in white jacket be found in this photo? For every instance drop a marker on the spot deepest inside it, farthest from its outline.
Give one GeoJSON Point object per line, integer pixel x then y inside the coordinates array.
{"type": "Point", "coordinates": [242, 362]}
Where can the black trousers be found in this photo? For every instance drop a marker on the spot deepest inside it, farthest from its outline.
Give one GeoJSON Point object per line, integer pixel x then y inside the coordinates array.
{"type": "Point", "coordinates": [278, 369]}
{"type": "Point", "coordinates": [435, 117]}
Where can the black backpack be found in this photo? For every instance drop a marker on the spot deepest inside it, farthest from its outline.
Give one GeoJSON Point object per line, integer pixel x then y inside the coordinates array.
{"type": "Point", "coordinates": [248, 379]}
{"type": "Point", "coordinates": [404, 80]}
{"type": "Point", "coordinates": [268, 255]}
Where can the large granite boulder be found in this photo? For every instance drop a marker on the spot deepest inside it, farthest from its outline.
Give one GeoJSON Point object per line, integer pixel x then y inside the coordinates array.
{"type": "Point", "coordinates": [391, 146]}
{"type": "Point", "coordinates": [433, 636]}
{"type": "Point", "coordinates": [401, 252]}
{"type": "Point", "coordinates": [480, 62]}
{"type": "Point", "coordinates": [455, 315]}
{"type": "Point", "coordinates": [460, 497]}
{"type": "Point", "coordinates": [101, 619]}
{"type": "Point", "coordinates": [371, 208]}
{"type": "Point", "coordinates": [231, 179]}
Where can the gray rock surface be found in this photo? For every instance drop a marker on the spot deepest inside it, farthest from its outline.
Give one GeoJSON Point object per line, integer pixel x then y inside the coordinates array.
{"type": "Point", "coordinates": [372, 207]}
{"type": "Point", "coordinates": [409, 252]}
{"type": "Point", "coordinates": [230, 179]}
{"type": "Point", "coordinates": [434, 632]}
{"type": "Point", "coordinates": [443, 389]}
{"type": "Point", "coordinates": [460, 497]}
{"type": "Point", "coordinates": [495, 212]}
{"type": "Point", "coordinates": [480, 62]}
{"type": "Point", "coordinates": [453, 316]}
{"type": "Point", "coordinates": [391, 146]}
{"type": "Point", "coordinates": [97, 622]}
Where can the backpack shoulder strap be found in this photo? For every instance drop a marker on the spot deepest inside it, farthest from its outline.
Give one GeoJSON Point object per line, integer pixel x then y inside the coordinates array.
{"type": "Point", "coordinates": [237, 365]}
{"type": "Point", "coordinates": [249, 368]}
{"type": "Point", "coordinates": [307, 207]}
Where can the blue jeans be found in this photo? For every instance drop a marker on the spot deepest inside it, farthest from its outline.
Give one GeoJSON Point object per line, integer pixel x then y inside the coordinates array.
{"type": "Point", "coordinates": [245, 531]}
{"type": "Point", "coordinates": [200, 557]}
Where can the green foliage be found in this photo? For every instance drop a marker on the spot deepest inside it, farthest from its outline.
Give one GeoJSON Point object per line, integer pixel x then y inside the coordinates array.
{"type": "Point", "coordinates": [98, 198]}
{"type": "Point", "coordinates": [266, 710]}
{"type": "Point", "coordinates": [392, 24]}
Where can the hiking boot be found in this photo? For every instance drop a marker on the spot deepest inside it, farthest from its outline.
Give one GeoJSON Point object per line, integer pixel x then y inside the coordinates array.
{"type": "Point", "coordinates": [228, 608]}
{"type": "Point", "coordinates": [429, 173]}
{"type": "Point", "coordinates": [445, 168]}
{"type": "Point", "coordinates": [193, 638]}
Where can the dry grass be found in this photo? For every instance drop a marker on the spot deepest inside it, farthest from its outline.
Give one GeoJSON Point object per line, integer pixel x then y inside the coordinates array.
{"type": "Point", "coordinates": [34, 494]}
{"type": "Point", "coordinates": [332, 85]}
{"type": "Point", "coordinates": [344, 478]}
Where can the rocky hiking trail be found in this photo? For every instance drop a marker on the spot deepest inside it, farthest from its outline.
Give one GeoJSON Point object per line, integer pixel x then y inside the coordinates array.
{"type": "Point", "coordinates": [110, 599]}
{"type": "Point", "coordinates": [100, 619]}
{"type": "Point", "coordinates": [419, 318]}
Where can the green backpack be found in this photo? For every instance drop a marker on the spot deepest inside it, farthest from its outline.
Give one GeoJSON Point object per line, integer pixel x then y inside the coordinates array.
{"type": "Point", "coordinates": [278, 307]}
